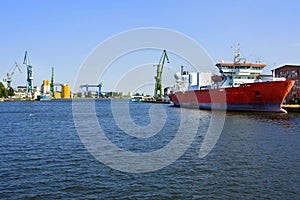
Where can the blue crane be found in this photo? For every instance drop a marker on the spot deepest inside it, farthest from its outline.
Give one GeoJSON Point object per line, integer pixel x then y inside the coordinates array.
{"type": "Point", "coordinates": [29, 85]}
{"type": "Point", "coordinates": [87, 86]}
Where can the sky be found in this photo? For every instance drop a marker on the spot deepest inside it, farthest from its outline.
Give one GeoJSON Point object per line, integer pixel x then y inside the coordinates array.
{"type": "Point", "coordinates": [62, 34]}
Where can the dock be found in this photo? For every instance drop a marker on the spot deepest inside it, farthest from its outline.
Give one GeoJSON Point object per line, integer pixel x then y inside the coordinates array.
{"type": "Point", "coordinates": [291, 108]}
{"type": "Point", "coordinates": [157, 101]}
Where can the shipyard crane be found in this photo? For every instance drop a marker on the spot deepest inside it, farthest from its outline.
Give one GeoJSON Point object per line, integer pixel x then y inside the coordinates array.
{"type": "Point", "coordinates": [86, 86]}
{"type": "Point", "coordinates": [158, 91]}
{"type": "Point", "coordinates": [52, 83]}
{"type": "Point", "coordinates": [29, 85]}
{"type": "Point", "coordinates": [10, 73]}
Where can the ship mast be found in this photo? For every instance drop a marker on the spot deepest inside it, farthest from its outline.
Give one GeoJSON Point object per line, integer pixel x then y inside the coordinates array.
{"type": "Point", "coordinates": [237, 54]}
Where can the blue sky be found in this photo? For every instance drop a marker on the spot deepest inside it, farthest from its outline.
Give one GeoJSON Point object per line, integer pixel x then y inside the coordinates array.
{"type": "Point", "coordinates": [61, 34]}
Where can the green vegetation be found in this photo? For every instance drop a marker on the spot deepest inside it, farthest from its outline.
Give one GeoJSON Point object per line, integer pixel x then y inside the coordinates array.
{"type": "Point", "coordinates": [5, 93]}
{"type": "Point", "coordinates": [295, 101]}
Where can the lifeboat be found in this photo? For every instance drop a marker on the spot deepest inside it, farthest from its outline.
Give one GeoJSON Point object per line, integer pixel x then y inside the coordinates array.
{"type": "Point", "coordinates": [216, 78]}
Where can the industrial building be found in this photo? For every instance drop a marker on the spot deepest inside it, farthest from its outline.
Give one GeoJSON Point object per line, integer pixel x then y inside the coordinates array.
{"type": "Point", "coordinates": [20, 92]}
{"type": "Point", "coordinates": [290, 72]}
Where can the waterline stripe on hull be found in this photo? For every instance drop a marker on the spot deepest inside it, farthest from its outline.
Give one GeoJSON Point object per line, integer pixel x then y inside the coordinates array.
{"type": "Point", "coordinates": [257, 107]}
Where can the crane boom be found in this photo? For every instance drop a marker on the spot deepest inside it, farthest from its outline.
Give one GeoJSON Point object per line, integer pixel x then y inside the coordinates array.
{"type": "Point", "coordinates": [10, 73]}
{"type": "Point", "coordinates": [26, 59]}
{"type": "Point", "coordinates": [158, 91]}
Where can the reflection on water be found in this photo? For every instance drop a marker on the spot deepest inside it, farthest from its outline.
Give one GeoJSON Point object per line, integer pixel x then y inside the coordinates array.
{"type": "Point", "coordinates": [289, 120]}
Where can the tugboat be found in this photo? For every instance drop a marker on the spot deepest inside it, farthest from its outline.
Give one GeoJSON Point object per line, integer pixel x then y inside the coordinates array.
{"type": "Point", "coordinates": [237, 86]}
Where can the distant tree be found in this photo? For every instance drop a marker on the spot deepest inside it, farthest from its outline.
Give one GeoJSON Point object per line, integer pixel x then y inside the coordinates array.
{"type": "Point", "coordinates": [79, 94]}
{"type": "Point", "coordinates": [295, 101]}
{"type": "Point", "coordinates": [2, 90]}
{"type": "Point", "coordinates": [89, 94]}
{"type": "Point", "coordinates": [10, 92]}
{"type": "Point", "coordinates": [6, 92]}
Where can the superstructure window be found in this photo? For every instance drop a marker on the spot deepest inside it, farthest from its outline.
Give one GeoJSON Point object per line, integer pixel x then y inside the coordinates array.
{"type": "Point", "coordinates": [256, 68]}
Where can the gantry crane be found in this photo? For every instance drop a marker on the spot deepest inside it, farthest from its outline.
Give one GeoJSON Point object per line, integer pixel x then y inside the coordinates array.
{"type": "Point", "coordinates": [10, 73]}
{"type": "Point", "coordinates": [29, 85]}
{"type": "Point", "coordinates": [158, 91]}
{"type": "Point", "coordinates": [87, 86]}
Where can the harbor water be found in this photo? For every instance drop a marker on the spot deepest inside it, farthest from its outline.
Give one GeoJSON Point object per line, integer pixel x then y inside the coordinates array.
{"type": "Point", "coordinates": [42, 156]}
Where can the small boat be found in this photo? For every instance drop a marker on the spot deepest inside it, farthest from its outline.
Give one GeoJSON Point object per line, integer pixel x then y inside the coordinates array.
{"type": "Point", "coordinates": [44, 97]}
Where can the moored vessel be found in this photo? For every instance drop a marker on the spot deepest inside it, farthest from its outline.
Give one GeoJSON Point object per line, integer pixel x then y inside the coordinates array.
{"type": "Point", "coordinates": [236, 86]}
{"type": "Point", "coordinates": [44, 97]}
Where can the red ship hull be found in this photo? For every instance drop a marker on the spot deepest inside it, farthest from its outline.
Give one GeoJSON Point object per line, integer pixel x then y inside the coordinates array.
{"type": "Point", "coordinates": [259, 96]}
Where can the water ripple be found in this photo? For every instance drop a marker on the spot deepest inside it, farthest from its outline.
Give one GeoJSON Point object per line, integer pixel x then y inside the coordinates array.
{"type": "Point", "coordinates": [42, 157]}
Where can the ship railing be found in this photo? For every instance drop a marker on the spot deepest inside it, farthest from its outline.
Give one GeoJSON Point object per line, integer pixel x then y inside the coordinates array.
{"type": "Point", "coordinates": [255, 71]}
{"type": "Point", "coordinates": [266, 79]}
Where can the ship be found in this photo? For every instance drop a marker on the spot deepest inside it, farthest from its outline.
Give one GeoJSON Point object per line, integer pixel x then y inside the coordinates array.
{"type": "Point", "coordinates": [233, 86]}
{"type": "Point", "coordinates": [44, 97]}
